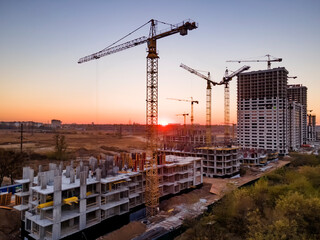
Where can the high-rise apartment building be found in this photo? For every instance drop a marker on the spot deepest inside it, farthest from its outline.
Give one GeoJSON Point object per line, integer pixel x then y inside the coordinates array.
{"type": "Point", "coordinates": [298, 93]}
{"type": "Point", "coordinates": [295, 125]}
{"type": "Point", "coordinates": [262, 110]}
{"type": "Point", "coordinates": [311, 136]}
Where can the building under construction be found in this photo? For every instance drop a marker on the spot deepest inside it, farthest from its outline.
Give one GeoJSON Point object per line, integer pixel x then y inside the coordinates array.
{"type": "Point", "coordinates": [262, 110]}
{"type": "Point", "coordinates": [59, 203]}
{"type": "Point", "coordinates": [297, 97]}
{"type": "Point", "coordinates": [217, 161]}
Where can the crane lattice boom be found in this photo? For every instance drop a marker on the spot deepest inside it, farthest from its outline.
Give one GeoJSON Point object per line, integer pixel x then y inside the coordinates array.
{"type": "Point", "coordinates": [115, 49]}
{"type": "Point", "coordinates": [233, 74]}
{"type": "Point", "coordinates": [269, 60]}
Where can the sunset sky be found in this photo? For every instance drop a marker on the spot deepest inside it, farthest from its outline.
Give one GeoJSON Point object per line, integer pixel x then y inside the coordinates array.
{"type": "Point", "coordinates": [41, 42]}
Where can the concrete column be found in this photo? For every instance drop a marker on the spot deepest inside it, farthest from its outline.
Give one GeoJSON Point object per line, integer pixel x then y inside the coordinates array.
{"type": "Point", "coordinates": [43, 181]}
{"type": "Point", "coordinates": [43, 199]}
{"type": "Point", "coordinates": [50, 177]}
{"type": "Point", "coordinates": [68, 171]}
{"type": "Point", "coordinates": [31, 178]}
{"type": "Point", "coordinates": [56, 172]}
{"type": "Point", "coordinates": [98, 174]}
{"type": "Point", "coordinates": [52, 166]}
{"type": "Point", "coordinates": [78, 172]}
{"type": "Point", "coordinates": [103, 170]}
{"type": "Point", "coordinates": [72, 176]}
{"type": "Point", "coordinates": [83, 200]}
{"type": "Point", "coordinates": [98, 190]}
{"type": "Point", "coordinates": [57, 199]}
{"type": "Point", "coordinates": [81, 166]}
{"type": "Point", "coordinates": [39, 174]}
{"type": "Point", "coordinates": [25, 173]}
{"type": "Point", "coordinates": [60, 168]}
{"type": "Point", "coordinates": [86, 170]}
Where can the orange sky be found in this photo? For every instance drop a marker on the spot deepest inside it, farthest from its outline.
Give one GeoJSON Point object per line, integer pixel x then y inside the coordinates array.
{"type": "Point", "coordinates": [41, 43]}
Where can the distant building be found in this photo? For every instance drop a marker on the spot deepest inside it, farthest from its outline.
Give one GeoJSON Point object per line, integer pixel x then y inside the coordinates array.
{"type": "Point", "coordinates": [311, 137]}
{"type": "Point", "coordinates": [298, 93]}
{"type": "Point", "coordinates": [295, 125]}
{"type": "Point", "coordinates": [262, 110]}
{"type": "Point", "coordinates": [55, 123]}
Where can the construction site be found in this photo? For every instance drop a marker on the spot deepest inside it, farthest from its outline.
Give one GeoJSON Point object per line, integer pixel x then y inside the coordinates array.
{"type": "Point", "coordinates": [60, 202]}
{"type": "Point", "coordinates": [69, 199]}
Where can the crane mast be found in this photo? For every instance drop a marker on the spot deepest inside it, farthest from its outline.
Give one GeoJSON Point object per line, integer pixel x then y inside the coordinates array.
{"type": "Point", "coordinates": [152, 184]}
{"type": "Point", "coordinates": [208, 100]}
{"type": "Point", "coordinates": [226, 79]}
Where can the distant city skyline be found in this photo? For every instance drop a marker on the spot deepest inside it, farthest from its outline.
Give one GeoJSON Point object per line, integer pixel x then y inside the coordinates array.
{"type": "Point", "coordinates": [42, 41]}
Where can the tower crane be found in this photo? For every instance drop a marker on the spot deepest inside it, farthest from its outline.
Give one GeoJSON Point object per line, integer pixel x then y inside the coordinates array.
{"type": "Point", "coordinates": [208, 99]}
{"type": "Point", "coordinates": [192, 102]}
{"type": "Point", "coordinates": [269, 60]}
{"type": "Point", "coordinates": [184, 121]}
{"type": "Point", "coordinates": [226, 79]}
{"type": "Point", "coordinates": [152, 181]}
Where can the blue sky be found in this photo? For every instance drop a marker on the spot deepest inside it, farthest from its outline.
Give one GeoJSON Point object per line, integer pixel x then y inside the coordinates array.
{"type": "Point", "coordinates": [41, 42]}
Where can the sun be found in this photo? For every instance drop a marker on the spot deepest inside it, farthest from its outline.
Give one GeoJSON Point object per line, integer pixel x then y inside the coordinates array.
{"type": "Point", "coordinates": [163, 123]}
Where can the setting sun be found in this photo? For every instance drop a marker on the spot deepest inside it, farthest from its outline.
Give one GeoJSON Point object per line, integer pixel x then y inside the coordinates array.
{"type": "Point", "coordinates": [163, 123]}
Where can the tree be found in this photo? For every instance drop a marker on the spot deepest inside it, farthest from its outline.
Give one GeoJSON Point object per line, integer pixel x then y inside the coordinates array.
{"type": "Point", "coordinates": [10, 164]}
{"type": "Point", "coordinates": [14, 167]}
{"type": "Point", "coordinates": [60, 146]}
{"type": "Point", "coordinates": [3, 164]}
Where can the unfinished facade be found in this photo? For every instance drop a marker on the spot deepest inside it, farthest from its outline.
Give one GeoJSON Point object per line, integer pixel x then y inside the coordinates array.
{"type": "Point", "coordinates": [262, 110]}
{"type": "Point", "coordinates": [311, 136]}
{"type": "Point", "coordinates": [297, 93]}
{"type": "Point", "coordinates": [295, 125]}
{"type": "Point", "coordinates": [217, 161]}
{"type": "Point", "coordinates": [58, 203]}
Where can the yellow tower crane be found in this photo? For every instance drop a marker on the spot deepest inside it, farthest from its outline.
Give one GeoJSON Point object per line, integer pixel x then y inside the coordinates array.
{"type": "Point", "coordinates": [152, 185]}
{"type": "Point", "coordinates": [208, 99]}
{"type": "Point", "coordinates": [190, 101]}
{"type": "Point", "coordinates": [184, 121]}
{"type": "Point", "coordinates": [226, 79]}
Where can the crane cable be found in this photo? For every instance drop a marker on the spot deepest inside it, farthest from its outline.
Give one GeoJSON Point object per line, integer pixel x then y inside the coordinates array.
{"type": "Point", "coordinates": [125, 36]}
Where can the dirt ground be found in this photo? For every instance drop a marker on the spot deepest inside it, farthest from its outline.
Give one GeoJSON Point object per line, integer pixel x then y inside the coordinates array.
{"type": "Point", "coordinates": [127, 232]}
{"type": "Point", "coordinates": [80, 144]}
{"type": "Point", "coordinates": [9, 224]}
{"type": "Point", "coordinates": [89, 140]}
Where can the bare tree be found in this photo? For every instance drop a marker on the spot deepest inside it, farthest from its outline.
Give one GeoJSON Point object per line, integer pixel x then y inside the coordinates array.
{"type": "Point", "coordinates": [60, 146]}
{"type": "Point", "coordinates": [10, 164]}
